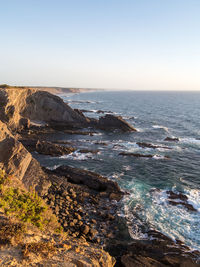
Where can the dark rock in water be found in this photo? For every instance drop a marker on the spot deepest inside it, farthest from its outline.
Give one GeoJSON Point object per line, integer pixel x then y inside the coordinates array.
{"type": "Point", "coordinates": [137, 155]}
{"type": "Point", "coordinates": [103, 111]}
{"type": "Point", "coordinates": [171, 139]}
{"type": "Point", "coordinates": [188, 206]}
{"type": "Point", "coordinates": [147, 145]}
{"type": "Point", "coordinates": [180, 196]}
{"type": "Point", "coordinates": [91, 179]}
{"type": "Point", "coordinates": [114, 122]}
{"type": "Point", "coordinates": [48, 148]}
{"type": "Point", "coordinates": [181, 200]}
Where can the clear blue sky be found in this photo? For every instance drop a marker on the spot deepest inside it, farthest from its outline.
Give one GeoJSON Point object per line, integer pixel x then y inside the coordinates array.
{"type": "Point", "coordinates": [122, 44]}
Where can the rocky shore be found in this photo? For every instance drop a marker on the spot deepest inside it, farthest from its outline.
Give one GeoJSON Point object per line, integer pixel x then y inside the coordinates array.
{"type": "Point", "coordinates": [85, 203]}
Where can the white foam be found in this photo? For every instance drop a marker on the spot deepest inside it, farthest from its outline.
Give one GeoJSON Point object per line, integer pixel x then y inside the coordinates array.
{"type": "Point", "coordinates": [53, 167]}
{"type": "Point", "coordinates": [158, 157]}
{"type": "Point", "coordinates": [176, 221]}
{"type": "Point", "coordinates": [160, 127]}
{"type": "Point", "coordinates": [78, 156]}
{"type": "Point", "coordinates": [193, 198]}
{"type": "Point", "coordinates": [38, 123]}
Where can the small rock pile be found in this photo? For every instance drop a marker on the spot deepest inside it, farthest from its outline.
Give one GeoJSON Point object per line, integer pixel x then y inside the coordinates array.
{"type": "Point", "coordinates": [80, 213]}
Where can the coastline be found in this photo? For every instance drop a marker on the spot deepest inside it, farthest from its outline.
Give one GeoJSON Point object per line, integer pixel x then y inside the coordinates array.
{"type": "Point", "coordinates": [99, 194]}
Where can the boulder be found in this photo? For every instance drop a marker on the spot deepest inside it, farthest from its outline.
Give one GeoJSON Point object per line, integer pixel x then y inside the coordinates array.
{"type": "Point", "coordinates": [114, 122]}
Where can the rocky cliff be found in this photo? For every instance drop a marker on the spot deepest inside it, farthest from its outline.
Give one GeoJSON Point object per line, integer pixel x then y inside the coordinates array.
{"type": "Point", "coordinates": [17, 161]}
{"type": "Point", "coordinates": [20, 106]}
{"type": "Point", "coordinates": [21, 242]}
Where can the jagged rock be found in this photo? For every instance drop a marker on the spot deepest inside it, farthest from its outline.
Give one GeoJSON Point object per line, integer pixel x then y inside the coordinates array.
{"type": "Point", "coordinates": [114, 122]}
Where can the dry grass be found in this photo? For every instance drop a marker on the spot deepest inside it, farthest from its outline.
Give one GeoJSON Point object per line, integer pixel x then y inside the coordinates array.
{"type": "Point", "coordinates": [11, 232]}
{"type": "Point", "coordinates": [44, 249]}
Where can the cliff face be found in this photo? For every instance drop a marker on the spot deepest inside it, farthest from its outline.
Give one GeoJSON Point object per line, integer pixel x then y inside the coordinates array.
{"type": "Point", "coordinates": [18, 106]}
{"type": "Point", "coordinates": [17, 161]}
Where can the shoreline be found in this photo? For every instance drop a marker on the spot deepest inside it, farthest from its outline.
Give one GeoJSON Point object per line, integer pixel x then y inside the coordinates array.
{"type": "Point", "coordinates": [93, 199]}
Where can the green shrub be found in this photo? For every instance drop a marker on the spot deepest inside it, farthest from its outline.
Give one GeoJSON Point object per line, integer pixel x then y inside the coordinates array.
{"type": "Point", "coordinates": [28, 207]}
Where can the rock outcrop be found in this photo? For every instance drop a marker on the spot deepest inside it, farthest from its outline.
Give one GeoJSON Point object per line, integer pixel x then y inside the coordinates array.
{"type": "Point", "coordinates": [109, 122]}
{"type": "Point", "coordinates": [48, 148]}
{"type": "Point", "coordinates": [17, 161]}
{"type": "Point", "coordinates": [19, 106]}
{"type": "Point", "coordinates": [91, 179]}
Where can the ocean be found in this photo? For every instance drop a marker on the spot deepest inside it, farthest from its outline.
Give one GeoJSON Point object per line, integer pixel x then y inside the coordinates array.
{"type": "Point", "coordinates": [174, 166]}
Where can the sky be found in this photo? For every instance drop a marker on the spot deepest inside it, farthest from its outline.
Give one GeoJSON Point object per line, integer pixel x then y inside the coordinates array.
{"type": "Point", "coordinates": [114, 44]}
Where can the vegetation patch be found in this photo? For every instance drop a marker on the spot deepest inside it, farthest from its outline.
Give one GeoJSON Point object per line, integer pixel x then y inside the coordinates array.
{"type": "Point", "coordinates": [6, 86]}
{"type": "Point", "coordinates": [44, 249]}
{"type": "Point", "coordinates": [27, 206]}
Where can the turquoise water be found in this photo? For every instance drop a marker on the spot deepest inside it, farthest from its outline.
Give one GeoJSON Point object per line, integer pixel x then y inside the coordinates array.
{"type": "Point", "coordinates": [156, 115]}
